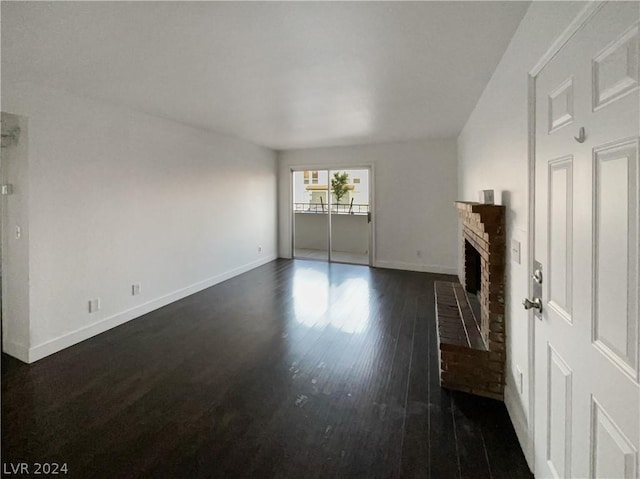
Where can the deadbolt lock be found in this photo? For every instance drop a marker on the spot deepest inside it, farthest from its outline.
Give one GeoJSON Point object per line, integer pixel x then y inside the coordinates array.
{"type": "Point", "coordinates": [537, 276]}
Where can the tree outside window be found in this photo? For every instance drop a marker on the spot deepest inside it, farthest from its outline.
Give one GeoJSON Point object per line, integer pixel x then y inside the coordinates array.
{"type": "Point", "coordinates": [339, 185]}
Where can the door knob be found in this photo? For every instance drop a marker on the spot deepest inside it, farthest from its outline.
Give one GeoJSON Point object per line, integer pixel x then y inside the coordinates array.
{"type": "Point", "coordinates": [536, 303]}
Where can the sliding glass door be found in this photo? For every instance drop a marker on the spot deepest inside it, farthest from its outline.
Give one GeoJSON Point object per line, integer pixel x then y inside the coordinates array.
{"type": "Point", "coordinates": [310, 215]}
{"type": "Point", "coordinates": [349, 216]}
{"type": "Point", "coordinates": [331, 215]}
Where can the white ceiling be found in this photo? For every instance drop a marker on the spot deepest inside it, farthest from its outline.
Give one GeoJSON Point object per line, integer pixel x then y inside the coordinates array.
{"type": "Point", "coordinates": [281, 74]}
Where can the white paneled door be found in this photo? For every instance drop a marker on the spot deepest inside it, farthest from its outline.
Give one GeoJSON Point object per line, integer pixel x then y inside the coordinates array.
{"type": "Point", "coordinates": [587, 395]}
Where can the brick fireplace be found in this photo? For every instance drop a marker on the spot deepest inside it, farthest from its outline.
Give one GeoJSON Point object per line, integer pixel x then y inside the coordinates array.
{"type": "Point", "coordinates": [470, 315]}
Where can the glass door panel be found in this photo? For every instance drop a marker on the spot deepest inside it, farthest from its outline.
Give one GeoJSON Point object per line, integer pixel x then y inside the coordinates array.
{"type": "Point", "coordinates": [311, 215]}
{"type": "Point", "coordinates": [349, 215]}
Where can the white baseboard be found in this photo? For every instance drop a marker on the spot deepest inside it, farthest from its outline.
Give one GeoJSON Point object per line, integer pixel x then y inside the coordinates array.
{"type": "Point", "coordinates": [519, 421]}
{"type": "Point", "coordinates": [18, 351]}
{"type": "Point", "coordinates": [425, 268]}
{"type": "Point", "coordinates": [69, 339]}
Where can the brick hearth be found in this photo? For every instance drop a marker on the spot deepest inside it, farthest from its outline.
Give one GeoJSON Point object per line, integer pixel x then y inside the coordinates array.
{"type": "Point", "coordinates": [472, 349]}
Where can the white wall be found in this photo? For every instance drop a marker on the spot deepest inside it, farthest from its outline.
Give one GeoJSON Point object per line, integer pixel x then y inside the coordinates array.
{"type": "Point", "coordinates": [311, 231]}
{"type": "Point", "coordinates": [117, 197]}
{"type": "Point", "coordinates": [414, 190]}
{"type": "Point", "coordinates": [493, 154]}
{"type": "Point", "coordinates": [349, 233]}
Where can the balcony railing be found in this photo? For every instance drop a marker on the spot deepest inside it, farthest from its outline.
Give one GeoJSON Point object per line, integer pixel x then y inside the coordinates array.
{"type": "Point", "coordinates": [339, 209]}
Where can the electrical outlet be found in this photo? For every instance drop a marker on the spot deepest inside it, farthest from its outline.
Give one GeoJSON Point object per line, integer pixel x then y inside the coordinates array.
{"type": "Point", "coordinates": [18, 232]}
{"type": "Point", "coordinates": [419, 253]}
{"type": "Point", "coordinates": [94, 305]}
{"type": "Point", "coordinates": [259, 249]}
{"type": "Point", "coordinates": [135, 289]}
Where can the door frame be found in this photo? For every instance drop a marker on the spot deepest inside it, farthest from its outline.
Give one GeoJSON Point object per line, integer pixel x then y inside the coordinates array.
{"type": "Point", "coordinates": [581, 19]}
{"type": "Point", "coordinates": [358, 166]}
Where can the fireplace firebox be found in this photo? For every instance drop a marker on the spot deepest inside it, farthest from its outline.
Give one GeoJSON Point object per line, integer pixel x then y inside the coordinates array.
{"type": "Point", "coordinates": [472, 269]}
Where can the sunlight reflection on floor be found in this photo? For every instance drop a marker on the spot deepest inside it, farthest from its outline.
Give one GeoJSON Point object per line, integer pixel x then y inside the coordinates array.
{"type": "Point", "coordinates": [318, 304]}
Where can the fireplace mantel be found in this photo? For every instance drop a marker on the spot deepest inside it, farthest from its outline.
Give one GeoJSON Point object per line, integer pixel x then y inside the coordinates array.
{"type": "Point", "coordinates": [483, 219]}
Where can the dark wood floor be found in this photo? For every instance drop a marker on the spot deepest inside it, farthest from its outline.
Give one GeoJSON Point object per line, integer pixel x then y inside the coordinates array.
{"type": "Point", "coordinates": [296, 369]}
